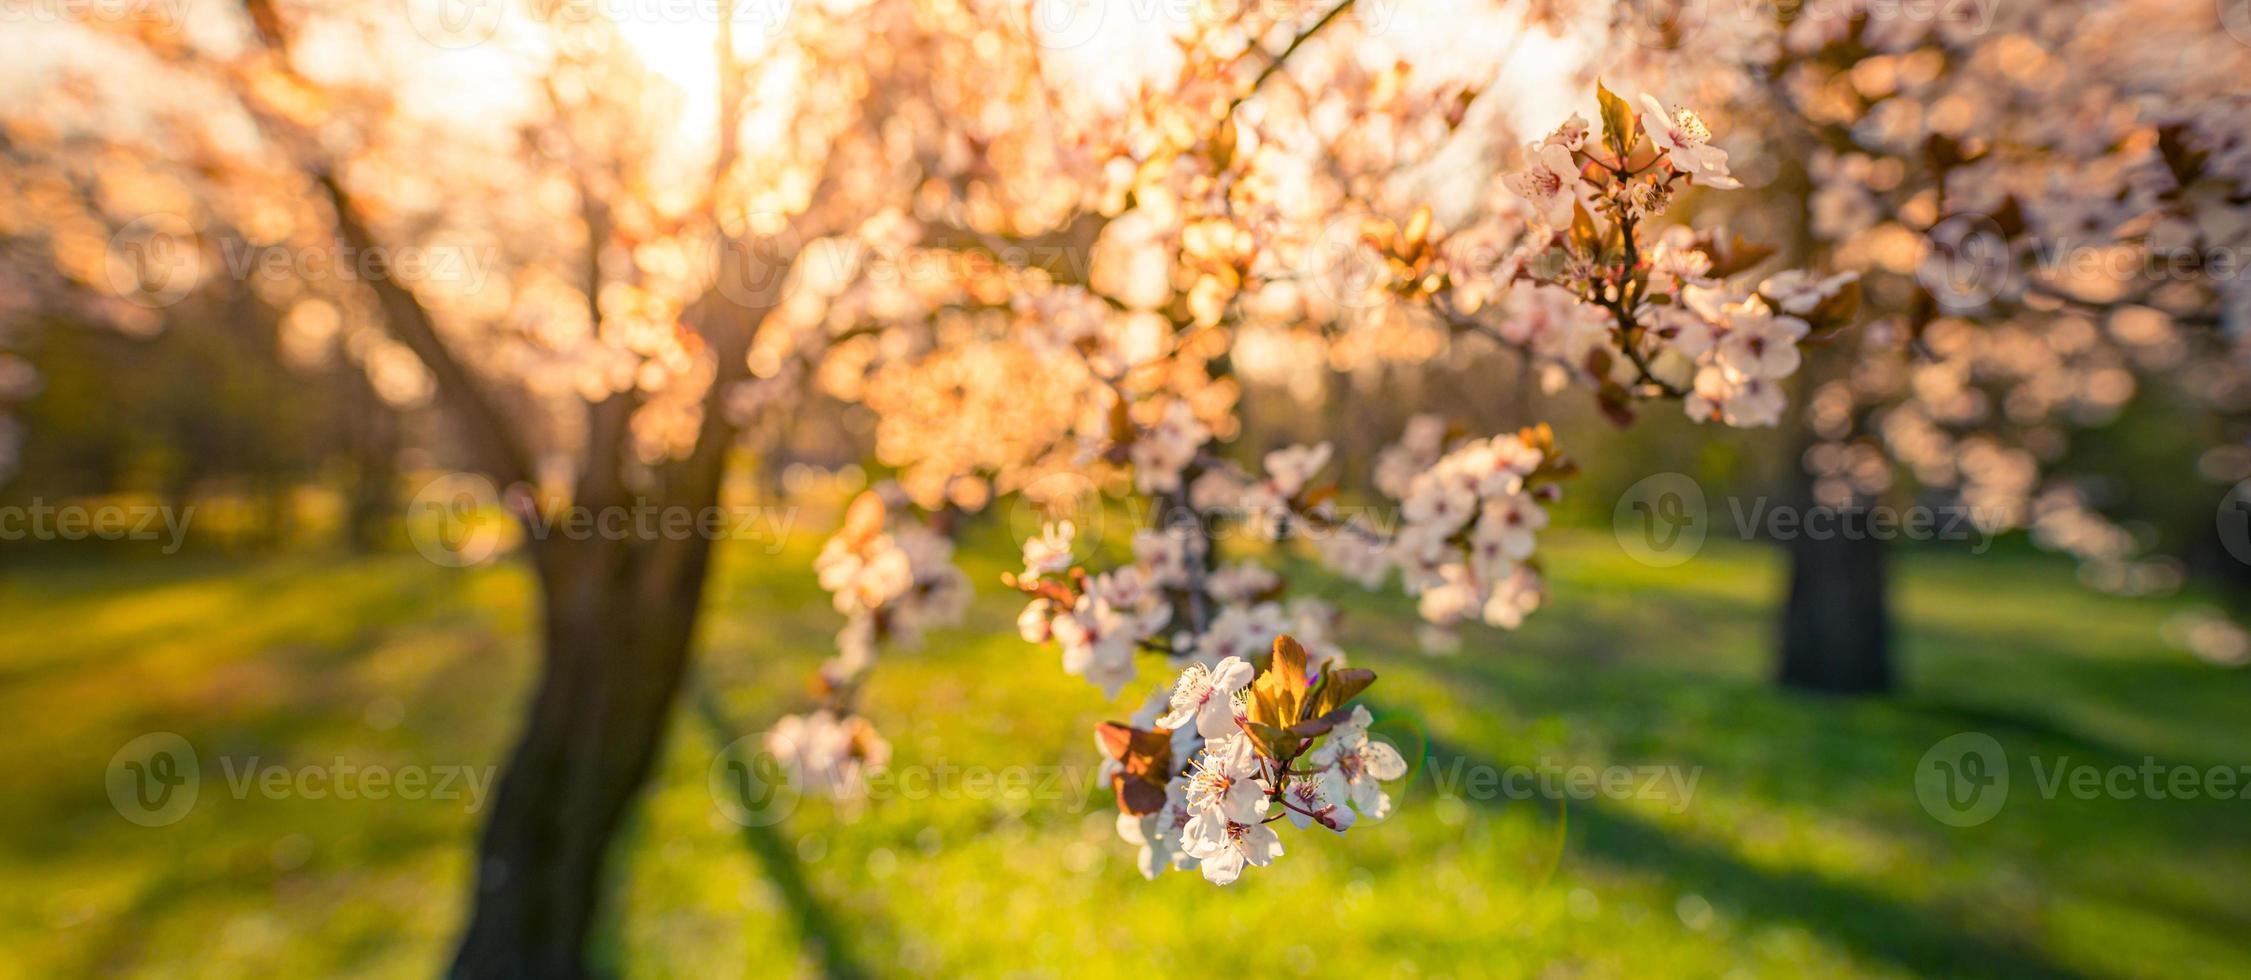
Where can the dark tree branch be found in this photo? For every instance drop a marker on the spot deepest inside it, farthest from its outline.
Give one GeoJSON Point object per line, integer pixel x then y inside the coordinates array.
{"type": "Point", "coordinates": [500, 453]}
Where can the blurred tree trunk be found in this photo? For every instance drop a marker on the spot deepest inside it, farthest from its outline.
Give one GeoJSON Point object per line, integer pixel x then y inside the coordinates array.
{"type": "Point", "coordinates": [617, 623]}
{"type": "Point", "coordinates": [370, 435]}
{"type": "Point", "coordinates": [617, 616]}
{"type": "Point", "coordinates": [618, 620]}
{"type": "Point", "coordinates": [1836, 628]}
{"type": "Point", "coordinates": [1836, 624]}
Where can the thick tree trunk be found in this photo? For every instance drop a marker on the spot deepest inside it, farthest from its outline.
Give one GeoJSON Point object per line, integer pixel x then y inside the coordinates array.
{"type": "Point", "coordinates": [368, 429]}
{"type": "Point", "coordinates": [618, 623]}
{"type": "Point", "coordinates": [1836, 623]}
{"type": "Point", "coordinates": [1836, 627]}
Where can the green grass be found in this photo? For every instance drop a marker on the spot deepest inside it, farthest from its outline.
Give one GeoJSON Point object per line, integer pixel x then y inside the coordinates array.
{"type": "Point", "coordinates": [1803, 850]}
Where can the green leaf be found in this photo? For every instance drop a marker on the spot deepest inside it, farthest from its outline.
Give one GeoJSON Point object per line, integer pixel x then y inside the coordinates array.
{"type": "Point", "coordinates": [1586, 239]}
{"type": "Point", "coordinates": [1313, 728]}
{"type": "Point", "coordinates": [1337, 687]}
{"type": "Point", "coordinates": [1144, 753]}
{"type": "Point", "coordinates": [1620, 124]}
{"type": "Point", "coordinates": [1145, 757]}
{"type": "Point", "coordinates": [1836, 311]}
{"type": "Point", "coordinates": [1277, 744]}
{"type": "Point", "coordinates": [1279, 694]}
{"type": "Point", "coordinates": [1732, 256]}
{"type": "Point", "coordinates": [1289, 660]}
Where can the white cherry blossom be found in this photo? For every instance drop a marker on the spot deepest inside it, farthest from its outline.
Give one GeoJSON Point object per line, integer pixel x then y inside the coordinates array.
{"type": "Point", "coordinates": [1223, 847]}
{"type": "Point", "coordinates": [1050, 552]}
{"type": "Point", "coordinates": [1759, 345]}
{"type": "Point", "coordinates": [1550, 183]}
{"type": "Point", "coordinates": [1291, 467]}
{"type": "Point", "coordinates": [1225, 779]}
{"type": "Point", "coordinates": [1205, 697]}
{"type": "Point", "coordinates": [1357, 766]}
{"type": "Point", "coordinates": [1797, 291]}
{"type": "Point", "coordinates": [1308, 801]}
{"type": "Point", "coordinates": [1686, 143]}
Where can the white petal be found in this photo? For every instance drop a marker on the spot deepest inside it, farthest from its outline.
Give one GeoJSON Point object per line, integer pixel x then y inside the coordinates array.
{"type": "Point", "coordinates": [1382, 761]}
{"type": "Point", "coordinates": [1223, 867]}
{"type": "Point", "coordinates": [1216, 719]}
{"type": "Point", "coordinates": [1261, 845]}
{"type": "Point", "coordinates": [1129, 828]}
{"type": "Point", "coordinates": [1338, 818]}
{"type": "Point", "coordinates": [1233, 674]}
{"type": "Point", "coordinates": [1656, 120]}
{"type": "Point", "coordinates": [1370, 799]}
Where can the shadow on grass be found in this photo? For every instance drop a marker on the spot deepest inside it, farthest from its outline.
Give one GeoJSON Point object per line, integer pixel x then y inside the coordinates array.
{"type": "Point", "coordinates": [273, 686]}
{"type": "Point", "coordinates": [822, 936]}
{"type": "Point", "coordinates": [1870, 924]}
{"type": "Point", "coordinates": [1851, 759]}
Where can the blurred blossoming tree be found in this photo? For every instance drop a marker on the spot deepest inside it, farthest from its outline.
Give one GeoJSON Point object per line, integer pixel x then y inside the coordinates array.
{"type": "Point", "coordinates": [1038, 290]}
{"type": "Point", "coordinates": [2048, 205]}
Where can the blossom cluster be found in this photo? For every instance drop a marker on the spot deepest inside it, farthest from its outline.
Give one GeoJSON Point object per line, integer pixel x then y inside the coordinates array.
{"type": "Point", "coordinates": [891, 579]}
{"type": "Point", "coordinates": [1470, 516]}
{"type": "Point", "coordinates": [2026, 281]}
{"type": "Point", "coordinates": [1470, 511]}
{"type": "Point", "coordinates": [1679, 326]}
{"type": "Point", "coordinates": [825, 751]}
{"type": "Point", "coordinates": [1102, 620]}
{"type": "Point", "coordinates": [1593, 293]}
{"type": "Point", "coordinates": [1260, 744]}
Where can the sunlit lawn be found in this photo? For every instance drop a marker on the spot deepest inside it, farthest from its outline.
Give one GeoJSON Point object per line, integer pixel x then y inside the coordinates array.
{"type": "Point", "coordinates": [1802, 851]}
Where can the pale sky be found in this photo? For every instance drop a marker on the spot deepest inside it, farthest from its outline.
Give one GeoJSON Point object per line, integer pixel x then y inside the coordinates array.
{"type": "Point", "coordinates": [473, 59]}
